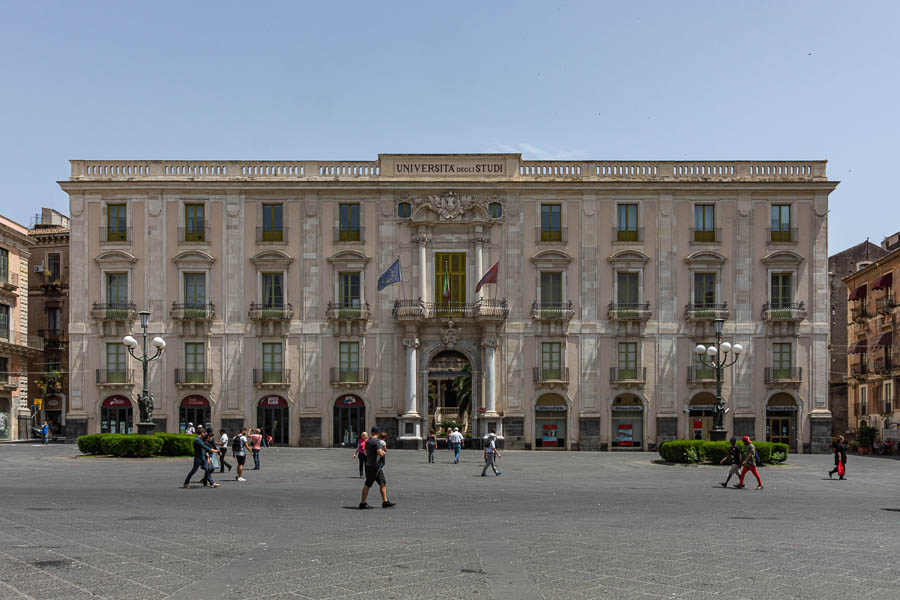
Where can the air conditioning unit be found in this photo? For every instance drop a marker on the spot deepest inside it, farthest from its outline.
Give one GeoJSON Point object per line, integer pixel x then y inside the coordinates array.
{"type": "Point", "coordinates": [38, 268]}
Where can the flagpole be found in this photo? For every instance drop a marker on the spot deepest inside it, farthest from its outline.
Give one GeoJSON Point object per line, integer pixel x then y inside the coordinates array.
{"type": "Point", "coordinates": [400, 271]}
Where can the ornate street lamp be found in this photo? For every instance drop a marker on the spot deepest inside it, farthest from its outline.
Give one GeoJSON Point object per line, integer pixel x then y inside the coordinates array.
{"type": "Point", "coordinates": [145, 401]}
{"type": "Point", "coordinates": [716, 357]}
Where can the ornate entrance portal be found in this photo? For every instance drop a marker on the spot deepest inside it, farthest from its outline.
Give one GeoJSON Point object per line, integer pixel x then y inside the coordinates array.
{"type": "Point", "coordinates": [449, 392]}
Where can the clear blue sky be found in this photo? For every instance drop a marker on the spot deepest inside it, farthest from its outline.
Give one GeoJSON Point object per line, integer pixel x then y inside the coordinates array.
{"type": "Point", "coordinates": [304, 80]}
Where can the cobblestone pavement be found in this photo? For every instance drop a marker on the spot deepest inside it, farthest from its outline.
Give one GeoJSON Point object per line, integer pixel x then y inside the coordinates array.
{"type": "Point", "coordinates": [555, 525]}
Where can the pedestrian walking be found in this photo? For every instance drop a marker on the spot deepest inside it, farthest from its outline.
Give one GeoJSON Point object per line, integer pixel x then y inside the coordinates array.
{"type": "Point", "coordinates": [375, 450]}
{"type": "Point", "coordinates": [223, 450]}
{"type": "Point", "coordinates": [239, 448]}
{"type": "Point", "coordinates": [201, 449]}
{"type": "Point", "coordinates": [255, 443]}
{"type": "Point", "coordinates": [190, 429]}
{"type": "Point", "coordinates": [456, 441]}
{"type": "Point", "coordinates": [840, 458]}
{"type": "Point", "coordinates": [749, 463]}
{"type": "Point", "coordinates": [449, 445]}
{"type": "Point", "coordinates": [431, 445]}
{"type": "Point", "coordinates": [490, 456]}
{"type": "Point", "coordinates": [734, 453]}
{"type": "Point", "coordinates": [382, 459]}
{"type": "Point", "coordinates": [360, 453]}
{"type": "Point", "coordinates": [45, 433]}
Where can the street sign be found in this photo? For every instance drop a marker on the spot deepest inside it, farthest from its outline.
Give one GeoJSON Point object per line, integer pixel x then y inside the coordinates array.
{"type": "Point", "coordinates": [37, 402]}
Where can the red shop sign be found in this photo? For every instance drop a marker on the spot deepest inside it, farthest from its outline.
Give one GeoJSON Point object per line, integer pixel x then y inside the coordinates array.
{"type": "Point", "coordinates": [114, 401]}
{"type": "Point", "coordinates": [349, 400]}
{"type": "Point", "coordinates": [191, 401]}
{"type": "Point", "coordinates": [273, 401]}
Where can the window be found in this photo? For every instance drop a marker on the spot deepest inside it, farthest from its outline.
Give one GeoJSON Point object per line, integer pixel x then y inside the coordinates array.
{"type": "Point", "coordinates": [495, 210]}
{"type": "Point", "coordinates": [404, 210]}
{"type": "Point", "coordinates": [627, 289]}
{"type": "Point", "coordinates": [349, 290]}
{"type": "Point", "coordinates": [116, 223]}
{"type": "Point", "coordinates": [272, 365]}
{"type": "Point", "coordinates": [704, 290]}
{"type": "Point", "coordinates": [781, 223]}
{"type": "Point", "coordinates": [53, 266]}
{"type": "Point", "coordinates": [273, 290]}
{"type": "Point", "coordinates": [195, 290]}
{"type": "Point", "coordinates": [701, 370]}
{"type": "Point", "coordinates": [272, 223]}
{"type": "Point", "coordinates": [194, 223]}
{"type": "Point", "coordinates": [627, 230]}
{"type": "Point", "coordinates": [551, 289]}
{"type": "Point", "coordinates": [449, 279]}
{"type": "Point", "coordinates": [551, 360]}
{"type": "Point", "coordinates": [863, 401]}
{"type": "Point", "coordinates": [116, 363]}
{"type": "Point", "coordinates": [4, 369]}
{"type": "Point", "coordinates": [782, 360]}
{"type": "Point", "coordinates": [888, 395]}
{"type": "Point", "coordinates": [194, 362]}
{"type": "Point", "coordinates": [117, 290]}
{"type": "Point", "coordinates": [4, 321]}
{"type": "Point", "coordinates": [782, 293]}
{"type": "Point", "coordinates": [704, 223]}
{"type": "Point", "coordinates": [551, 222]}
{"type": "Point", "coordinates": [54, 316]}
{"type": "Point", "coordinates": [4, 265]}
{"type": "Point", "coordinates": [628, 362]}
{"type": "Point", "coordinates": [349, 229]}
{"type": "Point", "coordinates": [349, 361]}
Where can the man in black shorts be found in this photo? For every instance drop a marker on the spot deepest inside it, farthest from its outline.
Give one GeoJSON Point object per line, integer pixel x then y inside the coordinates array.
{"type": "Point", "coordinates": [374, 451]}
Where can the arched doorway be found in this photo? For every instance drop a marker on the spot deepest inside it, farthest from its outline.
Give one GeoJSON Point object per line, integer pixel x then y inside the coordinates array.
{"type": "Point", "coordinates": [194, 409]}
{"type": "Point", "coordinates": [53, 412]}
{"type": "Point", "coordinates": [781, 420]}
{"type": "Point", "coordinates": [4, 419]}
{"type": "Point", "coordinates": [349, 421]}
{"type": "Point", "coordinates": [700, 418]}
{"type": "Point", "coordinates": [550, 417]}
{"type": "Point", "coordinates": [272, 418]}
{"type": "Point", "coordinates": [627, 422]}
{"type": "Point", "coordinates": [449, 391]}
{"type": "Point", "coordinates": [116, 415]}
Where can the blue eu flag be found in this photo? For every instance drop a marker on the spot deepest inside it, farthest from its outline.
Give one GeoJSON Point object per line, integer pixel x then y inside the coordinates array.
{"type": "Point", "coordinates": [392, 275]}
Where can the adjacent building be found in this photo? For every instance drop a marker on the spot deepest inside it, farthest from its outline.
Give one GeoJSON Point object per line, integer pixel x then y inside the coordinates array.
{"type": "Point", "coordinates": [263, 278]}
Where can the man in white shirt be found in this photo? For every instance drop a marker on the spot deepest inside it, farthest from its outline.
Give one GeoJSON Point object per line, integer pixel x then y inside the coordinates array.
{"type": "Point", "coordinates": [190, 429]}
{"type": "Point", "coordinates": [240, 449]}
{"type": "Point", "coordinates": [456, 442]}
{"type": "Point", "coordinates": [490, 455]}
{"type": "Point", "coordinates": [223, 450]}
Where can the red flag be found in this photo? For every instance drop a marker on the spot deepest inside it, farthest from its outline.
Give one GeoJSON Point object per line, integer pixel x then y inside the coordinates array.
{"type": "Point", "coordinates": [489, 277]}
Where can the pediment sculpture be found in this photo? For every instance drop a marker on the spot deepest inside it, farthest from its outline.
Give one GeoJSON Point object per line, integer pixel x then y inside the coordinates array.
{"type": "Point", "coordinates": [450, 206]}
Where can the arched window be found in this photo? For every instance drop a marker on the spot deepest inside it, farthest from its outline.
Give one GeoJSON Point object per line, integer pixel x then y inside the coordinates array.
{"type": "Point", "coordinates": [495, 209]}
{"type": "Point", "coordinates": [404, 210]}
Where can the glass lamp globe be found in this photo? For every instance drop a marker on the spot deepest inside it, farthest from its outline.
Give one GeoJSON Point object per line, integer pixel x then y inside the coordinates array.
{"type": "Point", "coordinates": [700, 350]}
{"type": "Point", "coordinates": [129, 341]}
{"type": "Point", "coordinates": [711, 351]}
{"type": "Point", "coordinates": [158, 342]}
{"type": "Point", "coordinates": [726, 347]}
{"type": "Point", "coordinates": [737, 349]}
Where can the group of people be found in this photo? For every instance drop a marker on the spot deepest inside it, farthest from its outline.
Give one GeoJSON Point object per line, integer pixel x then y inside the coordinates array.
{"type": "Point", "coordinates": [373, 449]}
{"type": "Point", "coordinates": [744, 463]}
{"type": "Point", "coordinates": [210, 453]}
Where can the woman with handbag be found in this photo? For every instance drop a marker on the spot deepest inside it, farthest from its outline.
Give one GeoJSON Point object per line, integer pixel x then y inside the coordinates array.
{"type": "Point", "coordinates": [840, 458]}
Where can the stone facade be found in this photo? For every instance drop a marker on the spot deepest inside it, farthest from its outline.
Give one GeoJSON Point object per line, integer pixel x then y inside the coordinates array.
{"type": "Point", "coordinates": [609, 274]}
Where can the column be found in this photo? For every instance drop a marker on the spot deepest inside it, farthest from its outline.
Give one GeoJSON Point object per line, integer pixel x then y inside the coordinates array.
{"type": "Point", "coordinates": [479, 261]}
{"type": "Point", "coordinates": [422, 241]}
{"type": "Point", "coordinates": [490, 378]}
{"type": "Point", "coordinates": [411, 345]}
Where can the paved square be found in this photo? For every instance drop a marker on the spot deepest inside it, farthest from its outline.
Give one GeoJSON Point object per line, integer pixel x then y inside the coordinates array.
{"type": "Point", "coordinates": [555, 525]}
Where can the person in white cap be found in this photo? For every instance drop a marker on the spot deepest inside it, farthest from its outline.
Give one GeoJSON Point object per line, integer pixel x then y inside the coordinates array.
{"type": "Point", "coordinates": [190, 429]}
{"type": "Point", "coordinates": [490, 455]}
{"type": "Point", "coordinates": [456, 442]}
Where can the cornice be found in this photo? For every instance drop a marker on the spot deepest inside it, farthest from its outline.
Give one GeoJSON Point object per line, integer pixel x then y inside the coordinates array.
{"type": "Point", "coordinates": [876, 268]}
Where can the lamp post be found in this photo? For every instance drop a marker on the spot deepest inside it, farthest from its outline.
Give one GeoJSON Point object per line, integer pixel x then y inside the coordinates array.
{"type": "Point", "coordinates": [716, 357]}
{"type": "Point", "coordinates": [145, 400]}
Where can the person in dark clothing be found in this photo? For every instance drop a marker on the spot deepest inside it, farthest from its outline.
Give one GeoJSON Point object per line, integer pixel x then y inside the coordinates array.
{"type": "Point", "coordinates": [431, 445]}
{"type": "Point", "coordinates": [375, 451]}
{"type": "Point", "coordinates": [360, 453]}
{"type": "Point", "coordinates": [201, 448]}
{"type": "Point", "coordinates": [734, 453]}
{"type": "Point", "coordinates": [840, 456]}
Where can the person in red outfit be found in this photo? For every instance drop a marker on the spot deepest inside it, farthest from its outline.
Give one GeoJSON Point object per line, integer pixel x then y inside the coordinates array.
{"type": "Point", "coordinates": [749, 463]}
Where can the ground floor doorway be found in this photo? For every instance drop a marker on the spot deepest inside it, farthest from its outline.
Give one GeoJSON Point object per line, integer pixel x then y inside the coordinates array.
{"type": "Point", "coordinates": [627, 422]}
{"type": "Point", "coordinates": [701, 411]}
{"type": "Point", "coordinates": [194, 410]}
{"type": "Point", "coordinates": [272, 418]}
{"type": "Point", "coordinates": [449, 392]}
{"type": "Point", "coordinates": [781, 420]}
{"type": "Point", "coordinates": [349, 421]}
{"type": "Point", "coordinates": [117, 415]}
{"type": "Point", "coordinates": [5, 423]}
{"type": "Point", "coordinates": [550, 415]}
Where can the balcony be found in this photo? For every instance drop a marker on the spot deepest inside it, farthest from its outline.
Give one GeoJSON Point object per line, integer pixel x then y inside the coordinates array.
{"type": "Point", "coordinates": [706, 236]}
{"type": "Point", "coordinates": [699, 375]}
{"type": "Point", "coordinates": [193, 235]}
{"type": "Point", "coordinates": [781, 235]}
{"type": "Point", "coordinates": [485, 310]}
{"type": "Point", "coordinates": [115, 235]}
{"type": "Point", "coordinates": [260, 312]}
{"type": "Point", "coordinates": [271, 235]}
{"type": "Point", "coordinates": [557, 377]}
{"type": "Point", "coordinates": [883, 365]}
{"type": "Point", "coordinates": [9, 382]}
{"type": "Point", "coordinates": [859, 370]}
{"type": "Point", "coordinates": [113, 311]}
{"type": "Point", "coordinates": [53, 337]}
{"type": "Point", "coordinates": [859, 314]}
{"type": "Point", "coordinates": [628, 376]}
{"type": "Point", "coordinates": [789, 312]}
{"type": "Point", "coordinates": [348, 311]}
{"type": "Point", "coordinates": [349, 378]}
{"type": "Point", "coordinates": [193, 379]}
{"type": "Point", "coordinates": [627, 235]}
{"type": "Point", "coordinates": [551, 236]}
{"type": "Point", "coordinates": [9, 281]}
{"type": "Point", "coordinates": [885, 304]}
{"type": "Point", "coordinates": [20, 344]}
{"type": "Point", "coordinates": [552, 311]}
{"type": "Point", "coordinates": [619, 311]}
{"type": "Point", "coordinates": [271, 378]}
{"type": "Point", "coordinates": [706, 312]}
{"type": "Point", "coordinates": [349, 235]}
{"type": "Point", "coordinates": [122, 378]}
{"type": "Point", "coordinates": [784, 375]}
{"type": "Point", "coordinates": [192, 311]}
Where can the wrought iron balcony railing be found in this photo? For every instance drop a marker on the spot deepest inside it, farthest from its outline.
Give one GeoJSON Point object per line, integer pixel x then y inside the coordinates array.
{"type": "Point", "coordinates": [262, 312]}
{"type": "Point", "coordinates": [783, 311]}
{"type": "Point", "coordinates": [271, 377]}
{"type": "Point", "coordinates": [357, 376]}
{"type": "Point", "coordinates": [698, 374]}
{"type": "Point", "coordinates": [114, 311]}
{"type": "Point", "coordinates": [706, 311]}
{"type": "Point", "coordinates": [192, 311]}
{"type": "Point", "coordinates": [115, 376]}
{"type": "Point", "coordinates": [352, 311]}
{"type": "Point", "coordinates": [552, 311]}
{"type": "Point", "coordinates": [193, 376]}
{"type": "Point", "coordinates": [784, 374]}
{"type": "Point", "coordinates": [544, 374]}
{"type": "Point", "coordinates": [486, 309]}
{"type": "Point", "coordinates": [621, 311]}
{"type": "Point", "coordinates": [628, 374]}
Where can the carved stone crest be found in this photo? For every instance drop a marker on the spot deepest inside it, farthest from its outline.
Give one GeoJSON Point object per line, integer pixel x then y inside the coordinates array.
{"type": "Point", "coordinates": [449, 206]}
{"type": "Point", "coordinates": [450, 336]}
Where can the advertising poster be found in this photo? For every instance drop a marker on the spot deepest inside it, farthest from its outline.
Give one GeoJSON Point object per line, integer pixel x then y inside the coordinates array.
{"type": "Point", "coordinates": [626, 434]}
{"type": "Point", "coordinates": [549, 438]}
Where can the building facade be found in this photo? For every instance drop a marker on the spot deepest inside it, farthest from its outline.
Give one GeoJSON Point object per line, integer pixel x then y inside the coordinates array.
{"type": "Point", "coordinates": [17, 347]}
{"type": "Point", "coordinates": [263, 279]}
{"type": "Point", "coordinates": [48, 316]}
{"type": "Point", "coordinates": [873, 360]}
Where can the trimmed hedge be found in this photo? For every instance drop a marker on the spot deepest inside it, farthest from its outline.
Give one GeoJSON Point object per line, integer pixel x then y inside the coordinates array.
{"type": "Point", "coordinates": [119, 444]}
{"type": "Point", "coordinates": [90, 444]}
{"type": "Point", "coordinates": [695, 451]}
{"type": "Point", "coordinates": [176, 444]}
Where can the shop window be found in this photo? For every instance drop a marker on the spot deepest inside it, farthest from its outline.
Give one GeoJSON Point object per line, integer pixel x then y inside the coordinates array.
{"type": "Point", "coordinates": [550, 414]}
{"type": "Point", "coordinates": [495, 210]}
{"type": "Point", "coordinates": [404, 210]}
{"type": "Point", "coordinates": [551, 222]}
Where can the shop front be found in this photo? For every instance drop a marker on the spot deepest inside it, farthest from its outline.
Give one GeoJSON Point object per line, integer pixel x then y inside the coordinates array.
{"type": "Point", "coordinates": [550, 415]}
{"type": "Point", "coordinates": [349, 421]}
{"type": "Point", "coordinates": [627, 422]}
{"type": "Point", "coordinates": [272, 418]}
{"type": "Point", "coordinates": [53, 412]}
{"type": "Point", "coordinates": [781, 420]}
{"type": "Point", "coordinates": [195, 410]}
{"type": "Point", "coordinates": [700, 416]}
{"type": "Point", "coordinates": [4, 418]}
{"type": "Point", "coordinates": [117, 415]}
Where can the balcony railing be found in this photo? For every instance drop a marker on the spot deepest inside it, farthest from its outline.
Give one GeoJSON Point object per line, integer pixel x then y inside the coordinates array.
{"type": "Point", "coordinates": [883, 365]}
{"type": "Point", "coordinates": [701, 374]}
{"type": "Point", "coordinates": [546, 375]}
{"type": "Point", "coordinates": [189, 235]}
{"type": "Point", "coordinates": [552, 311]}
{"type": "Point", "coordinates": [261, 312]}
{"type": "Point", "coordinates": [627, 234]}
{"type": "Point", "coordinates": [53, 336]}
{"type": "Point", "coordinates": [886, 303]}
{"type": "Point", "coordinates": [706, 236]}
{"type": "Point", "coordinates": [115, 234]}
{"type": "Point", "coordinates": [560, 235]}
{"type": "Point", "coordinates": [621, 311]}
{"type": "Point", "coordinates": [784, 374]}
{"type": "Point", "coordinates": [192, 311]}
{"type": "Point", "coordinates": [341, 376]}
{"type": "Point", "coordinates": [115, 377]}
{"type": "Point", "coordinates": [193, 376]}
{"type": "Point", "coordinates": [8, 381]}
{"type": "Point", "coordinates": [114, 311]}
{"type": "Point", "coordinates": [271, 234]}
{"type": "Point", "coordinates": [783, 311]}
{"type": "Point", "coordinates": [349, 234]}
{"type": "Point", "coordinates": [627, 374]}
{"type": "Point", "coordinates": [32, 342]}
{"type": "Point", "coordinates": [487, 309]}
{"type": "Point", "coordinates": [271, 377]}
{"type": "Point", "coordinates": [347, 312]}
{"type": "Point", "coordinates": [859, 313]}
{"type": "Point", "coordinates": [9, 281]}
{"type": "Point", "coordinates": [859, 369]}
{"type": "Point", "coordinates": [781, 235]}
{"type": "Point", "coordinates": [706, 311]}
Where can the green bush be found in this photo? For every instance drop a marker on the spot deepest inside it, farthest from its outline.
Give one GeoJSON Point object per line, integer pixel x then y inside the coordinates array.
{"type": "Point", "coordinates": [176, 444]}
{"type": "Point", "coordinates": [139, 446]}
{"type": "Point", "coordinates": [716, 451]}
{"type": "Point", "coordinates": [682, 451]}
{"type": "Point", "coordinates": [109, 443]}
{"type": "Point", "coordinates": [693, 451]}
{"type": "Point", "coordinates": [90, 444]}
{"type": "Point", "coordinates": [866, 436]}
